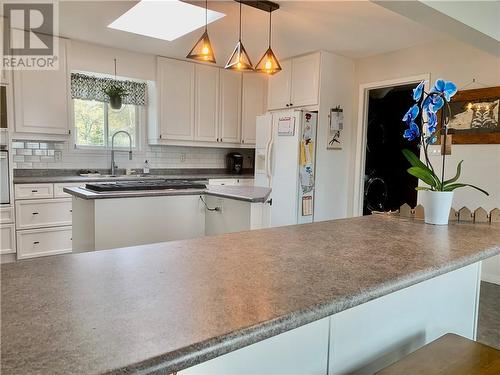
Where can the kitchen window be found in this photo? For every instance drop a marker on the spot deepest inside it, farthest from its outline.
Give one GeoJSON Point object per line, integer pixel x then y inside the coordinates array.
{"type": "Point", "coordinates": [96, 122]}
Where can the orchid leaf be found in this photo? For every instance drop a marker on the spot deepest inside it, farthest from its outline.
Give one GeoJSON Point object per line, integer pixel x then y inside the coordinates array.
{"type": "Point", "coordinates": [451, 187]}
{"type": "Point", "coordinates": [457, 175]}
{"type": "Point", "coordinates": [417, 163]}
{"type": "Point", "coordinates": [422, 188]}
{"type": "Point", "coordinates": [423, 174]}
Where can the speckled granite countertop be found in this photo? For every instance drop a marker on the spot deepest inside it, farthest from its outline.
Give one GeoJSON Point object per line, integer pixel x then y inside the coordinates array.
{"type": "Point", "coordinates": [252, 194]}
{"type": "Point", "coordinates": [163, 307]}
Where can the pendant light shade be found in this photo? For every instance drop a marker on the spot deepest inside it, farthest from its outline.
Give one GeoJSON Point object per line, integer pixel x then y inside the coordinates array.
{"type": "Point", "coordinates": [202, 50]}
{"type": "Point", "coordinates": [239, 59]}
{"type": "Point", "coordinates": [268, 63]}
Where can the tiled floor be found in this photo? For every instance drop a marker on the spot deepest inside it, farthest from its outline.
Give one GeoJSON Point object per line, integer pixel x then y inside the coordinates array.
{"type": "Point", "coordinates": [489, 315]}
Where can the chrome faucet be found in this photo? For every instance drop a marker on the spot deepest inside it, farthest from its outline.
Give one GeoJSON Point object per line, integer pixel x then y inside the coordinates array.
{"type": "Point", "coordinates": [113, 165]}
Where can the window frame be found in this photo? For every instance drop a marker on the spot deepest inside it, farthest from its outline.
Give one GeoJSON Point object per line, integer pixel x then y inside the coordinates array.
{"type": "Point", "coordinates": [139, 118]}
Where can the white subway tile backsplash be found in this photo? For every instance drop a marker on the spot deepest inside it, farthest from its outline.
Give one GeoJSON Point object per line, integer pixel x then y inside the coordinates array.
{"type": "Point", "coordinates": [57, 155]}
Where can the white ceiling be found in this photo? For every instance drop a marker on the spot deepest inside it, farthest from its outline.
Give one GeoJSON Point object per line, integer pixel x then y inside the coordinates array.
{"type": "Point", "coordinates": [351, 28]}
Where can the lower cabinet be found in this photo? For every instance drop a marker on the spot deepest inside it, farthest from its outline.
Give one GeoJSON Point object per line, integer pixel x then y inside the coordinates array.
{"type": "Point", "coordinates": [7, 239]}
{"type": "Point", "coordinates": [43, 220]}
{"type": "Point", "coordinates": [33, 243]}
{"type": "Point", "coordinates": [231, 181]}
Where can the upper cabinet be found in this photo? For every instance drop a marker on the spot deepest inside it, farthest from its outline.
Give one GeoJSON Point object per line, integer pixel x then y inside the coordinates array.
{"type": "Point", "coordinates": [176, 81]}
{"type": "Point", "coordinates": [206, 103]}
{"type": "Point", "coordinates": [230, 106]}
{"type": "Point", "coordinates": [253, 103]}
{"type": "Point", "coordinates": [41, 99]}
{"type": "Point", "coordinates": [297, 85]}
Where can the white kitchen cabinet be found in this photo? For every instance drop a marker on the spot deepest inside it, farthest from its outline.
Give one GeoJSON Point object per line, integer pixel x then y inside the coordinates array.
{"type": "Point", "coordinates": [253, 105]}
{"type": "Point", "coordinates": [40, 213]}
{"type": "Point", "coordinates": [297, 85]}
{"type": "Point", "coordinates": [33, 191]}
{"type": "Point", "coordinates": [230, 106]}
{"type": "Point", "coordinates": [176, 81]}
{"type": "Point", "coordinates": [41, 242]}
{"type": "Point", "coordinates": [305, 80]}
{"type": "Point", "coordinates": [59, 188]}
{"type": "Point", "coordinates": [206, 103]}
{"type": "Point", "coordinates": [6, 214]}
{"type": "Point", "coordinates": [7, 239]}
{"type": "Point", "coordinates": [280, 87]}
{"type": "Point", "coordinates": [41, 99]}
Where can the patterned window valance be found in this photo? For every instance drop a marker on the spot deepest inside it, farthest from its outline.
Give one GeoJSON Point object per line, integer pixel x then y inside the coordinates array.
{"type": "Point", "coordinates": [89, 87]}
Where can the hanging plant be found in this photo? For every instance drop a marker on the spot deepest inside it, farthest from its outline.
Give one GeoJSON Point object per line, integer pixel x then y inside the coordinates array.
{"type": "Point", "coordinates": [116, 93]}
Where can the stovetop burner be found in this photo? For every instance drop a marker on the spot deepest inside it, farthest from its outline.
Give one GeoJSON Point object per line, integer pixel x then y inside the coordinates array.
{"type": "Point", "coordinates": [145, 185]}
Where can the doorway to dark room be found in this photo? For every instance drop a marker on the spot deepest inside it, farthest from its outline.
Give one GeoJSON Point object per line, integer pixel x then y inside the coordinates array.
{"type": "Point", "coordinates": [387, 185]}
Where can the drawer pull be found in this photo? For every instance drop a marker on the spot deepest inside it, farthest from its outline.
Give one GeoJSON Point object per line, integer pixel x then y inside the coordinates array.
{"type": "Point", "coordinates": [70, 210]}
{"type": "Point", "coordinates": [35, 213]}
{"type": "Point", "coordinates": [34, 191]}
{"type": "Point", "coordinates": [36, 242]}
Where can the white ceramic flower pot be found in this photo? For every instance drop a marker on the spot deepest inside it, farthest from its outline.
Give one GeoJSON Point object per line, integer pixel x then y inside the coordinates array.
{"type": "Point", "coordinates": [437, 206]}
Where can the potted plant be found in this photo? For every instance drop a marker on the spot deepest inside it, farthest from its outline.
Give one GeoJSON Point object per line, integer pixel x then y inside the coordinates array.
{"type": "Point", "coordinates": [115, 94]}
{"type": "Point", "coordinates": [437, 197]}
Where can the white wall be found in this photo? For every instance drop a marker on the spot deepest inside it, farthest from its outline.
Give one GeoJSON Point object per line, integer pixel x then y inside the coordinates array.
{"type": "Point", "coordinates": [460, 63]}
{"type": "Point", "coordinates": [332, 166]}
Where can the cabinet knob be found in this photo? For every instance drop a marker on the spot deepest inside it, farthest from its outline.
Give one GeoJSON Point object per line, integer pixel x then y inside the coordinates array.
{"type": "Point", "coordinates": [288, 105]}
{"type": "Point", "coordinates": [242, 141]}
{"type": "Point", "coordinates": [291, 104]}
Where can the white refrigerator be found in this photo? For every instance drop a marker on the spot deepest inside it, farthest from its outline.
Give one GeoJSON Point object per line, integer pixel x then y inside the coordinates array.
{"type": "Point", "coordinates": [285, 161]}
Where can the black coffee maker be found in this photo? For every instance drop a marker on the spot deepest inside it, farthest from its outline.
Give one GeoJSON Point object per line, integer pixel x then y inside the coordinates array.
{"type": "Point", "coordinates": [234, 162]}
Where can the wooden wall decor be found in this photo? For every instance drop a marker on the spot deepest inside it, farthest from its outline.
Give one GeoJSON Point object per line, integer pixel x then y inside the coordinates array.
{"type": "Point", "coordinates": [475, 116]}
{"type": "Point", "coordinates": [419, 212]}
{"type": "Point", "coordinates": [495, 215]}
{"type": "Point", "coordinates": [405, 211]}
{"type": "Point", "coordinates": [481, 216]}
{"type": "Point", "coordinates": [465, 215]}
{"type": "Point", "coordinates": [453, 215]}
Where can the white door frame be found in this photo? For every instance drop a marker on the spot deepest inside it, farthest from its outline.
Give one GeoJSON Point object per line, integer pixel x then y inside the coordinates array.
{"type": "Point", "coordinates": [359, 166]}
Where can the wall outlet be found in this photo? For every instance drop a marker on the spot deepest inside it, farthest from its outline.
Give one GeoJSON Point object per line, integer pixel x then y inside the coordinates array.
{"type": "Point", "coordinates": [435, 151]}
{"type": "Point", "coordinates": [183, 157]}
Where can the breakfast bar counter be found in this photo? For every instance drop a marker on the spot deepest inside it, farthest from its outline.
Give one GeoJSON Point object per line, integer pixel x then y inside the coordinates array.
{"type": "Point", "coordinates": [333, 297]}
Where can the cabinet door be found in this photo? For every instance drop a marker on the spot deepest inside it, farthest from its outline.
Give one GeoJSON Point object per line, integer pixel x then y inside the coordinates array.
{"type": "Point", "coordinates": [41, 98]}
{"type": "Point", "coordinates": [206, 103]}
{"type": "Point", "coordinates": [230, 106]}
{"type": "Point", "coordinates": [253, 103]}
{"type": "Point", "coordinates": [279, 87]}
{"type": "Point", "coordinates": [176, 87]}
{"type": "Point", "coordinates": [305, 80]}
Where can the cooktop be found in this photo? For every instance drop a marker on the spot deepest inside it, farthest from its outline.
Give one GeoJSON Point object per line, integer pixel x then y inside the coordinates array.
{"type": "Point", "coordinates": [145, 185]}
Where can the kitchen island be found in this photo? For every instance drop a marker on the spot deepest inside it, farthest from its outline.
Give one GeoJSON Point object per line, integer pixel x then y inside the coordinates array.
{"type": "Point", "coordinates": [109, 219]}
{"type": "Point", "coordinates": [342, 296]}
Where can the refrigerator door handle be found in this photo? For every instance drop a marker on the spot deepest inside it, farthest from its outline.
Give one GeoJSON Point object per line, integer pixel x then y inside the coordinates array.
{"type": "Point", "coordinates": [270, 160]}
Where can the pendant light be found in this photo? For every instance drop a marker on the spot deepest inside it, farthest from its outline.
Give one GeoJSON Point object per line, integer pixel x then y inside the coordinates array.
{"type": "Point", "coordinates": [239, 59]}
{"type": "Point", "coordinates": [268, 63]}
{"type": "Point", "coordinates": [202, 50]}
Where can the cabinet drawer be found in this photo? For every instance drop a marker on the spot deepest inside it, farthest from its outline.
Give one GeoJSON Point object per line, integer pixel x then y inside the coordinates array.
{"type": "Point", "coordinates": [40, 242]}
{"type": "Point", "coordinates": [58, 188]}
{"type": "Point", "coordinates": [33, 191]}
{"type": "Point", "coordinates": [42, 213]}
{"type": "Point", "coordinates": [6, 214]}
{"type": "Point", "coordinates": [222, 181]}
{"type": "Point", "coordinates": [245, 182]}
{"type": "Point", "coordinates": [7, 239]}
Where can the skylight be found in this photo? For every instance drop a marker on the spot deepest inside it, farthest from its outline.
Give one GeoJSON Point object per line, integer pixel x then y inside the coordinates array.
{"type": "Point", "coordinates": [163, 19]}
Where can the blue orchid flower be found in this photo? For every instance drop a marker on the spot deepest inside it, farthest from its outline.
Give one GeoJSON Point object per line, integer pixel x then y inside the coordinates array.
{"type": "Point", "coordinates": [431, 122]}
{"type": "Point", "coordinates": [412, 133]}
{"type": "Point", "coordinates": [411, 114]}
{"type": "Point", "coordinates": [446, 88]}
{"type": "Point", "coordinates": [417, 91]}
{"type": "Point", "coordinates": [433, 103]}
